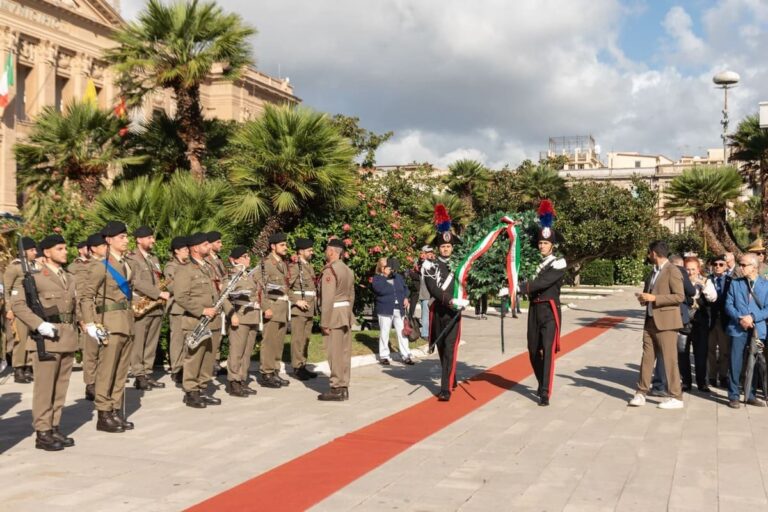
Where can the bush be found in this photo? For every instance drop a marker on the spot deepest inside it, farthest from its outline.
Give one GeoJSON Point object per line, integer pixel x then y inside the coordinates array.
{"type": "Point", "coordinates": [598, 272]}
{"type": "Point", "coordinates": [630, 271]}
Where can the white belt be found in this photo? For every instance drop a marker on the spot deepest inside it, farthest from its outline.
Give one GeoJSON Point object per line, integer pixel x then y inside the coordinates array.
{"type": "Point", "coordinates": [447, 282]}
{"type": "Point", "coordinates": [306, 294]}
{"type": "Point", "coordinates": [341, 304]}
{"type": "Point", "coordinates": [284, 298]}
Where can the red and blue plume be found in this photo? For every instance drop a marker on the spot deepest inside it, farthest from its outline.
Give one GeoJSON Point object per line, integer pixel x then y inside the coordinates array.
{"type": "Point", "coordinates": [442, 219]}
{"type": "Point", "coordinates": [546, 213]}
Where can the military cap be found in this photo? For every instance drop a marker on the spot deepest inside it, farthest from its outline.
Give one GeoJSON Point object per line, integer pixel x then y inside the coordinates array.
{"type": "Point", "coordinates": [335, 242]}
{"type": "Point", "coordinates": [178, 242]}
{"type": "Point", "coordinates": [83, 244]}
{"type": "Point", "coordinates": [51, 241]}
{"type": "Point", "coordinates": [756, 246]}
{"type": "Point", "coordinates": [197, 239]}
{"type": "Point", "coordinates": [113, 228]}
{"type": "Point", "coordinates": [276, 238]}
{"type": "Point", "coordinates": [548, 234]}
{"type": "Point", "coordinates": [446, 237]}
{"type": "Point", "coordinates": [214, 236]}
{"type": "Point", "coordinates": [28, 243]}
{"type": "Point", "coordinates": [142, 231]}
{"type": "Point", "coordinates": [393, 264]}
{"type": "Point", "coordinates": [302, 243]}
{"type": "Point", "coordinates": [238, 251]}
{"type": "Point", "coordinates": [95, 240]}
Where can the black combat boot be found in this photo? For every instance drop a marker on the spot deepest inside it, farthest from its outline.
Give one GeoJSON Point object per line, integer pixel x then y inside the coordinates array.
{"type": "Point", "coordinates": [267, 380]}
{"type": "Point", "coordinates": [28, 373]}
{"type": "Point", "coordinates": [192, 399]}
{"type": "Point", "coordinates": [118, 415]}
{"type": "Point", "coordinates": [90, 392]}
{"type": "Point", "coordinates": [46, 441]}
{"type": "Point", "coordinates": [210, 400]}
{"type": "Point", "coordinates": [107, 423]}
{"type": "Point", "coordinates": [236, 389]}
{"type": "Point", "coordinates": [278, 378]}
{"type": "Point", "coordinates": [141, 383]}
{"type": "Point", "coordinates": [19, 376]}
{"type": "Point", "coordinates": [66, 442]}
{"type": "Point", "coordinates": [153, 383]}
{"type": "Point", "coordinates": [334, 395]}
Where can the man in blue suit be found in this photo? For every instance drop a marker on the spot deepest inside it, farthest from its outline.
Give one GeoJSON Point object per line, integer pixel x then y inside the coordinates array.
{"type": "Point", "coordinates": [746, 306]}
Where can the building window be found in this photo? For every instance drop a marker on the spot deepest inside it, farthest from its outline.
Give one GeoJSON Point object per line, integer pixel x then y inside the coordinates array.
{"type": "Point", "coordinates": [637, 164]}
{"type": "Point", "coordinates": [581, 166]}
{"type": "Point", "coordinates": [679, 225]}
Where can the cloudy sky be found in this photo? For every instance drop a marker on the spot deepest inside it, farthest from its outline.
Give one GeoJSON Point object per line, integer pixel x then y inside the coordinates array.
{"type": "Point", "coordinates": [494, 79]}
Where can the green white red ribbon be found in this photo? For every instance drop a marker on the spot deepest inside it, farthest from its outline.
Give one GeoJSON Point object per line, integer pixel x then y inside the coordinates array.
{"type": "Point", "coordinates": [512, 263]}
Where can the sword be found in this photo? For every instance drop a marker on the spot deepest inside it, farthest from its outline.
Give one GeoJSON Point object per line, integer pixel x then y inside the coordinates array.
{"type": "Point", "coordinates": [444, 332]}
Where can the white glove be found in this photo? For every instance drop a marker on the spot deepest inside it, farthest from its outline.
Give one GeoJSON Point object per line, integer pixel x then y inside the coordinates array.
{"type": "Point", "coordinates": [47, 329]}
{"type": "Point", "coordinates": [460, 303]}
{"type": "Point", "coordinates": [92, 331]}
{"type": "Point", "coordinates": [504, 292]}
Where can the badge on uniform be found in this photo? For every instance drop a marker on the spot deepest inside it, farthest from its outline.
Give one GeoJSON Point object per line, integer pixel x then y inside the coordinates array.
{"type": "Point", "coordinates": [447, 236]}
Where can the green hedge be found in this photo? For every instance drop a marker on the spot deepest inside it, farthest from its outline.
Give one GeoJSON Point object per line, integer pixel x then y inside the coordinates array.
{"type": "Point", "coordinates": [630, 271]}
{"type": "Point", "coordinates": [597, 272]}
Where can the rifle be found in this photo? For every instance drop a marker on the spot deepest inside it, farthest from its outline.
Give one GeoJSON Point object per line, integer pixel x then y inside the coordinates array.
{"type": "Point", "coordinates": [34, 304]}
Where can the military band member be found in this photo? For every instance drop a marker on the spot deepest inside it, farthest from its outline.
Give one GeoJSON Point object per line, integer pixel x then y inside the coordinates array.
{"type": "Point", "coordinates": [303, 305]}
{"type": "Point", "coordinates": [273, 280]}
{"type": "Point", "coordinates": [544, 314]}
{"type": "Point", "coordinates": [195, 292]}
{"type": "Point", "coordinates": [147, 273]}
{"type": "Point", "coordinates": [16, 332]}
{"type": "Point", "coordinates": [56, 290]}
{"type": "Point", "coordinates": [106, 308]}
{"type": "Point", "coordinates": [214, 238]}
{"type": "Point", "coordinates": [175, 312]}
{"type": "Point", "coordinates": [337, 296]}
{"type": "Point", "coordinates": [243, 337]}
{"type": "Point", "coordinates": [79, 268]}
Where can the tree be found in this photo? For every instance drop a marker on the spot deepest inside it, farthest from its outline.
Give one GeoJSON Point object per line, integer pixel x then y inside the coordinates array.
{"type": "Point", "coordinates": [532, 183]}
{"type": "Point", "coordinates": [705, 193]}
{"type": "Point", "coordinates": [457, 210]}
{"type": "Point", "coordinates": [750, 145]}
{"type": "Point", "coordinates": [364, 141]}
{"type": "Point", "coordinates": [79, 145]}
{"type": "Point", "coordinates": [175, 47]}
{"type": "Point", "coordinates": [291, 160]}
{"type": "Point", "coordinates": [469, 180]}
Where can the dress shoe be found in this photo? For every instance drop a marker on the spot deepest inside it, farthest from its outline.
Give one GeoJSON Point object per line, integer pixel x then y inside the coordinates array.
{"type": "Point", "coordinates": [686, 388]}
{"type": "Point", "coordinates": [155, 384]}
{"type": "Point", "coordinates": [334, 395]}
{"type": "Point", "coordinates": [20, 376]}
{"type": "Point", "coordinates": [444, 396]}
{"type": "Point", "coordinates": [210, 400]}
{"type": "Point", "coordinates": [247, 390]}
{"type": "Point", "coordinates": [267, 380]}
{"type": "Point", "coordinates": [544, 400]}
{"type": "Point", "coordinates": [141, 383]}
{"type": "Point", "coordinates": [108, 423]}
{"type": "Point", "coordinates": [28, 372]}
{"type": "Point", "coordinates": [312, 375]}
{"type": "Point", "coordinates": [282, 381]}
{"type": "Point", "coordinates": [734, 404]}
{"type": "Point", "coordinates": [65, 441]}
{"type": "Point", "coordinates": [46, 441]}
{"type": "Point", "coordinates": [90, 392]}
{"type": "Point", "coordinates": [301, 373]}
{"type": "Point", "coordinates": [235, 388]}
{"type": "Point", "coordinates": [409, 361]}
{"type": "Point", "coordinates": [118, 415]}
{"type": "Point", "coordinates": [754, 402]}
{"type": "Point", "coordinates": [704, 389]}
{"type": "Point", "coordinates": [384, 362]}
{"type": "Point", "coordinates": [192, 399]}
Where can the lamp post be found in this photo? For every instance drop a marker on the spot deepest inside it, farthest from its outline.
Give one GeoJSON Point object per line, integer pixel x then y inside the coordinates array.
{"type": "Point", "coordinates": [725, 80]}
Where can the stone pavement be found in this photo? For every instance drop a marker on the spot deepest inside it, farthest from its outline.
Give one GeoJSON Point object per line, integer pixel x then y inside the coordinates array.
{"type": "Point", "coordinates": [588, 451]}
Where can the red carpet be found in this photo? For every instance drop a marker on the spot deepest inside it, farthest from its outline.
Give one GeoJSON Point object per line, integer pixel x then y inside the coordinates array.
{"type": "Point", "coordinates": [333, 466]}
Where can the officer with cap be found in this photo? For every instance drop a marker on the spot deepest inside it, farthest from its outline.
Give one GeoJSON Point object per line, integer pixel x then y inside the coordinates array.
{"type": "Point", "coordinates": [758, 249]}
{"type": "Point", "coordinates": [179, 257]}
{"type": "Point", "coordinates": [337, 297]}
{"type": "Point", "coordinates": [106, 308]}
{"type": "Point", "coordinates": [97, 251]}
{"type": "Point", "coordinates": [56, 290]}
{"type": "Point", "coordinates": [16, 332]}
{"type": "Point", "coordinates": [543, 291]}
{"type": "Point", "coordinates": [274, 282]}
{"type": "Point", "coordinates": [243, 337]}
{"type": "Point", "coordinates": [303, 305]}
{"type": "Point", "coordinates": [147, 275]}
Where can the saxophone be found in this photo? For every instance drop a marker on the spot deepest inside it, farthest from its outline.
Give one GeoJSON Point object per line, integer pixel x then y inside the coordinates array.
{"type": "Point", "coordinates": [144, 305]}
{"type": "Point", "coordinates": [202, 332]}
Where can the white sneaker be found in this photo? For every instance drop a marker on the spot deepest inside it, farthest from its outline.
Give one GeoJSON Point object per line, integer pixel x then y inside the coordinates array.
{"type": "Point", "coordinates": [637, 401]}
{"type": "Point", "coordinates": [672, 403]}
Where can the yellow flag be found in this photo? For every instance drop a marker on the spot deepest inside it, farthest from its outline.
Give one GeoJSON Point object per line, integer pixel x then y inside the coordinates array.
{"type": "Point", "coordinates": [90, 95]}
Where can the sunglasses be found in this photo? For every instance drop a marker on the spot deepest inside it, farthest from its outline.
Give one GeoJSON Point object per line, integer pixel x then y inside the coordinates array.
{"type": "Point", "coordinates": [719, 264]}
{"type": "Point", "coordinates": [745, 265]}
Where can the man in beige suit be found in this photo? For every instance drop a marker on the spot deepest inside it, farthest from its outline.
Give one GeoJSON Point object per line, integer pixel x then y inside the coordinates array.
{"type": "Point", "coordinates": [661, 297]}
{"type": "Point", "coordinates": [337, 296]}
{"type": "Point", "coordinates": [56, 290]}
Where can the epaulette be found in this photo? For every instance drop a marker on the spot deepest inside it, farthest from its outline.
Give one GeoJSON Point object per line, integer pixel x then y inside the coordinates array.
{"type": "Point", "coordinates": [559, 264]}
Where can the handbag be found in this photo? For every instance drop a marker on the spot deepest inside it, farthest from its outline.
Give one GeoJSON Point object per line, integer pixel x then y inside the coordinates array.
{"type": "Point", "coordinates": [411, 328]}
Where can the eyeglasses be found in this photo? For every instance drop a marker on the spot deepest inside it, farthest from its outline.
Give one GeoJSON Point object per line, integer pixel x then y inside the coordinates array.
{"type": "Point", "coordinates": [719, 264]}
{"type": "Point", "coordinates": [745, 265]}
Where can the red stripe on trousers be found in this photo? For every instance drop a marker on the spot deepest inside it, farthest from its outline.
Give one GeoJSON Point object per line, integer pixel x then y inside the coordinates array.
{"type": "Point", "coordinates": [555, 348]}
{"type": "Point", "coordinates": [452, 375]}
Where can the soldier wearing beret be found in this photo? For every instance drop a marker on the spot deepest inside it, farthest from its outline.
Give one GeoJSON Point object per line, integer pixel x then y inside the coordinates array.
{"type": "Point", "coordinates": [106, 308]}
{"type": "Point", "coordinates": [56, 290]}
{"type": "Point", "coordinates": [214, 239]}
{"type": "Point", "coordinates": [147, 274]}
{"type": "Point", "coordinates": [244, 299]}
{"type": "Point", "coordinates": [16, 332]}
{"type": "Point", "coordinates": [337, 296]}
{"type": "Point", "coordinates": [91, 347]}
{"type": "Point", "coordinates": [303, 305]}
{"type": "Point", "coordinates": [274, 282]}
{"type": "Point", "coordinates": [180, 256]}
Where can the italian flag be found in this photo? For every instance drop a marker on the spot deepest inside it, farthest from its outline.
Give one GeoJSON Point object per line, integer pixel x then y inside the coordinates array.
{"type": "Point", "coordinates": [6, 82]}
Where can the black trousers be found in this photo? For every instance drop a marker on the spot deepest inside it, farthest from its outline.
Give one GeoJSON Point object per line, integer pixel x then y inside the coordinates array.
{"type": "Point", "coordinates": [448, 347]}
{"type": "Point", "coordinates": [699, 340]}
{"type": "Point", "coordinates": [542, 332]}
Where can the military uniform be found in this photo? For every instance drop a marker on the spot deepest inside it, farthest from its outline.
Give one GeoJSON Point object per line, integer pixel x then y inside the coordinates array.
{"type": "Point", "coordinates": [56, 290]}
{"type": "Point", "coordinates": [273, 278]}
{"type": "Point", "coordinates": [220, 273]}
{"type": "Point", "coordinates": [175, 315]}
{"type": "Point", "coordinates": [243, 337]}
{"type": "Point", "coordinates": [146, 280]}
{"type": "Point", "coordinates": [303, 287]}
{"type": "Point", "coordinates": [337, 297]}
{"type": "Point", "coordinates": [17, 332]}
{"type": "Point", "coordinates": [80, 268]}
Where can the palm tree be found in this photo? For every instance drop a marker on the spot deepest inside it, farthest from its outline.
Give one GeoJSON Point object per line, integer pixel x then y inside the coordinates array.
{"type": "Point", "coordinates": [457, 210]}
{"type": "Point", "coordinates": [469, 179]}
{"type": "Point", "coordinates": [750, 145]}
{"type": "Point", "coordinates": [78, 146]}
{"type": "Point", "coordinates": [536, 182]}
{"type": "Point", "coordinates": [174, 47]}
{"type": "Point", "coordinates": [705, 193]}
{"type": "Point", "coordinates": [290, 160]}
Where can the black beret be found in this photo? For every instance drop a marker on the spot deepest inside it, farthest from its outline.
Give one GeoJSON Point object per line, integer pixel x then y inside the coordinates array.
{"type": "Point", "coordinates": [276, 238]}
{"type": "Point", "coordinates": [142, 231]}
{"type": "Point", "coordinates": [302, 243]}
{"type": "Point", "coordinates": [214, 236]}
{"type": "Point", "coordinates": [113, 228]}
{"type": "Point", "coordinates": [178, 242]}
{"type": "Point", "coordinates": [28, 243]}
{"type": "Point", "coordinates": [50, 241]}
{"type": "Point", "coordinates": [335, 242]}
{"type": "Point", "coordinates": [238, 251]}
{"type": "Point", "coordinates": [393, 264]}
{"type": "Point", "coordinates": [719, 257]}
{"type": "Point", "coordinates": [197, 239]}
{"type": "Point", "coordinates": [82, 244]}
{"type": "Point", "coordinates": [95, 240]}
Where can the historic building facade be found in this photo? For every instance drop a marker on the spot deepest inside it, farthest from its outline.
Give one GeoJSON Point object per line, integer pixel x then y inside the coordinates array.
{"type": "Point", "coordinates": [56, 47]}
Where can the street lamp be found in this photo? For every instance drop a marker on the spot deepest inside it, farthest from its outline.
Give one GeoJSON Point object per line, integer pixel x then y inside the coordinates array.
{"type": "Point", "coordinates": [725, 80]}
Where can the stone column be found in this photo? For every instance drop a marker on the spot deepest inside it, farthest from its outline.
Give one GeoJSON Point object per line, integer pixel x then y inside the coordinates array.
{"type": "Point", "coordinates": [81, 71]}
{"type": "Point", "coordinates": [44, 93]}
{"type": "Point", "coordinates": [9, 43]}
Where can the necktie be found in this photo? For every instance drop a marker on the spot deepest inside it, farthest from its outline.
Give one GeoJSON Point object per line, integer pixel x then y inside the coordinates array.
{"type": "Point", "coordinates": [62, 277]}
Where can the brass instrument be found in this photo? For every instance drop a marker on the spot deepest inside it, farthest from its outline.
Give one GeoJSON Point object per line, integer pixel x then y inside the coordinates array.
{"type": "Point", "coordinates": [144, 305]}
